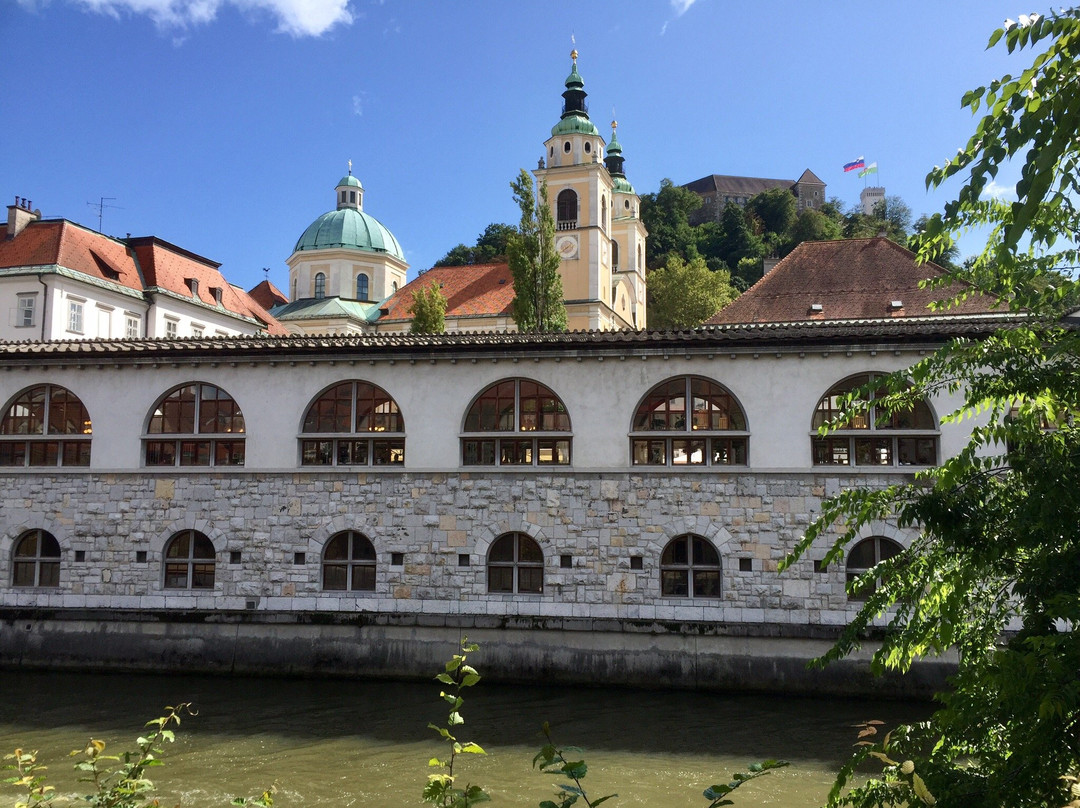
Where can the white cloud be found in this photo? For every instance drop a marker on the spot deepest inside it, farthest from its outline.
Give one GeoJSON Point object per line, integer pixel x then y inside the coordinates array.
{"type": "Point", "coordinates": [681, 6]}
{"type": "Point", "coordinates": [663, 29]}
{"type": "Point", "coordinates": [994, 190]}
{"type": "Point", "coordinates": [295, 17]}
{"type": "Point", "coordinates": [358, 103]}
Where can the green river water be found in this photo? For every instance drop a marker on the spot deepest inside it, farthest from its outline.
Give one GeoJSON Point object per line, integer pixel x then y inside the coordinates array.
{"type": "Point", "coordinates": [365, 743]}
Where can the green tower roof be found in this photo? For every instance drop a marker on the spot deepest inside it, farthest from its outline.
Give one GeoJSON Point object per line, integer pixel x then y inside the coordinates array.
{"type": "Point", "coordinates": [350, 181]}
{"type": "Point", "coordinates": [575, 124]}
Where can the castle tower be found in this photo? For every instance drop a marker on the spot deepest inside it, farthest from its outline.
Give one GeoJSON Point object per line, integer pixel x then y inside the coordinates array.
{"type": "Point", "coordinates": [581, 191]}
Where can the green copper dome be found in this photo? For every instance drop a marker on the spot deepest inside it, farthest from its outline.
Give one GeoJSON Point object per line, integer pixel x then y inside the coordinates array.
{"type": "Point", "coordinates": [351, 181]}
{"type": "Point", "coordinates": [622, 185]}
{"type": "Point", "coordinates": [575, 124]}
{"type": "Point", "coordinates": [350, 229]}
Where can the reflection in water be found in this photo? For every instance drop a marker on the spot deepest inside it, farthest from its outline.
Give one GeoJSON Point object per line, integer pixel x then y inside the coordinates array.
{"type": "Point", "coordinates": [345, 742]}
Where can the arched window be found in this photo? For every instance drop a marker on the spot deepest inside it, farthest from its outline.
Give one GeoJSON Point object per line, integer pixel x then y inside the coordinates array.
{"type": "Point", "coordinates": [603, 211]}
{"type": "Point", "coordinates": [690, 568]}
{"type": "Point", "coordinates": [45, 425]}
{"type": "Point", "coordinates": [516, 406]}
{"type": "Point", "coordinates": [356, 424]}
{"type": "Point", "coordinates": [615, 255]}
{"type": "Point", "coordinates": [689, 421]}
{"type": "Point", "coordinates": [349, 563]}
{"type": "Point", "coordinates": [874, 437]}
{"type": "Point", "coordinates": [320, 285]}
{"type": "Point", "coordinates": [515, 564]}
{"type": "Point", "coordinates": [361, 286]}
{"type": "Point", "coordinates": [36, 560]}
{"type": "Point", "coordinates": [189, 561]}
{"type": "Point", "coordinates": [195, 425]}
{"type": "Point", "coordinates": [864, 556]}
{"type": "Point", "coordinates": [566, 210]}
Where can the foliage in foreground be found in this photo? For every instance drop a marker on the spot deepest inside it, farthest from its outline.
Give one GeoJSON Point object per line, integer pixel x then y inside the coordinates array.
{"type": "Point", "coordinates": [428, 310]}
{"type": "Point", "coordinates": [115, 781]}
{"type": "Point", "coordinates": [684, 294]}
{"type": "Point", "coordinates": [995, 569]}
{"type": "Point", "coordinates": [534, 264]}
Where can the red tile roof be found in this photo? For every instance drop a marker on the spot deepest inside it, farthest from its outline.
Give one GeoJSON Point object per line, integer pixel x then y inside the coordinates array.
{"type": "Point", "coordinates": [475, 290]}
{"type": "Point", "coordinates": [267, 295]}
{"type": "Point", "coordinates": [854, 279]}
{"type": "Point", "coordinates": [172, 268]}
{"type": "Point", "coordinates": [58, 241]}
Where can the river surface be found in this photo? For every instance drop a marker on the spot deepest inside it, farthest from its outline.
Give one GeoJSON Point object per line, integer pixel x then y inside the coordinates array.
{"type": "Point", "coordinates": [366, 743]}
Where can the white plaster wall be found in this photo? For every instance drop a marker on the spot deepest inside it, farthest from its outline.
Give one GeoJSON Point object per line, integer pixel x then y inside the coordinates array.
{"type": "Point", "coordinates": [778, 395]}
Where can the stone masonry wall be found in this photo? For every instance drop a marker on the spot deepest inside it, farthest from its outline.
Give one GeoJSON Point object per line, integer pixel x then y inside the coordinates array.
{"type": "Point", "coordinates": [435, 522]}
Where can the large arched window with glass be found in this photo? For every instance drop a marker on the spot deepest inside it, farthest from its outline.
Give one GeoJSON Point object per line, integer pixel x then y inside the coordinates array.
{"type": "Point", "coordinates": [566, 210]}
{"type": "Point", "coordinates": [35, 561]}
{"type": "Point", "coordinates": [320, 285]}
{"type": "Point", "coordinates": [690, 568]}
{"type": "Point", "coordinates": [863, 557]}
{"type": "Point", "coordinates": [45, 425]}
{"type": "Point", "coordinates": [874, 437]}
{"type": "Point", "coordinates": [353, 423]}
{"type": "Point", "coordinates": [515, 564]}
{"type": "Point", "coordinates": [189, 561]}
{"type": "Point", "coordinates": [361, 286]}
{"type": "Point", "coordinates": [689, 421]}
{"type": "Point", "coordinates": [516, 422]}
{"type": "Point", "coordinates": [195, 424]}
{"type": "Point", "coordinates": [348, 563]}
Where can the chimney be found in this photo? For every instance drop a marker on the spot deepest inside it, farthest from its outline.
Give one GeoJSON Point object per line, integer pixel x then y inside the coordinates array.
{"type": "Point", "coordinates": [19, 216]}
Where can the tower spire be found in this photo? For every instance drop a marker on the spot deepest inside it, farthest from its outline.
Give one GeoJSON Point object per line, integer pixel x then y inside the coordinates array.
{"type": "Point", "coordinates": [574, 95]}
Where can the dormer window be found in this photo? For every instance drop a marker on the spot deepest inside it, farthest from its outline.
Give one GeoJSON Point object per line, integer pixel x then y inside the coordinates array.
{"type": "Point", "coordinates": [216, 291]}
{"type": "Point", "coordinates": [896, 305]}
{"type": "Point", "coordinates": [816, 308]}
{"type": "Point", "coordinates": [193, 285]}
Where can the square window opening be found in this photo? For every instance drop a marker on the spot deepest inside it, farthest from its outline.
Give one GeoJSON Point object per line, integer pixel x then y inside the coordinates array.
{"type": "Point", "coordinates": [566, 561]}
{"type": "Point", "coordinates": [397, 559]}
{"type": "Point", "coordinates": [637, 563]}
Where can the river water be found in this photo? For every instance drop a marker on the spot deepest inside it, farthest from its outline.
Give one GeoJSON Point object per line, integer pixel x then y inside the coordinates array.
{"type": "Point", "coordinates": [366, 743]}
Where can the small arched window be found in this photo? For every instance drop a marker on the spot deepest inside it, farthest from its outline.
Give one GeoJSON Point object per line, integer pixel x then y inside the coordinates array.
{"type": "Point", "coordinates": [189, 561]}
{"type": "Point", "coordinates": [36, 560]}
{"type": "Point", "coordinates": [690, 568]}
{"type": "Point", "coordinates": [320, 285]}
{"type": "Point", "coordinates": [603, 211]}
{"type": "Point", "coordinates": [566, 207]}
{"type": "Point", "coordinates": [531, 423]}
{"type": "Point", "coordinates": [349, 563]}
{"type": "Point", "coordinates": [195, 425]}
{"type": "Point", "coordinates": [45, 425]}
{"type": "Point", "coordinates": [863, 557]}
{"type": "Point", "coordinates": [395, 287]}
{"type": "Point", "coordinates": [689, 421]}
{"type": "Point", "coordinates": [361, 286]}
{"type": "Point", "coordinates": [515, 564]}
{"type": "Point", "coordinates": [873, 437]}
{"type": "Point", "coordinates": [354, 423]}
{"type": "Point", "coordinates": [614, 255]}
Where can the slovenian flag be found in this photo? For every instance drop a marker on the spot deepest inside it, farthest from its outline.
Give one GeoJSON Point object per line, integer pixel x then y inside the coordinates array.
{"type": "Point", "coordinates": [870, 169]}
{"type": "Point", "coordinates": [854, 164]}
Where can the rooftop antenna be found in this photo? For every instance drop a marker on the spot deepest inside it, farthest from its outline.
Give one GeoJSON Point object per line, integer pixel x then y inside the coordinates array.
{"type": "Point", "coordinates": [100, 205]}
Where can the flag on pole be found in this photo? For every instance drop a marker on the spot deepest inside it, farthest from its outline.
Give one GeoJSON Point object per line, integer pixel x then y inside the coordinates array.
{"type": "Point", "coordinates": [858, 162]}
{"type": "Point", "coordinates": [870, 169]}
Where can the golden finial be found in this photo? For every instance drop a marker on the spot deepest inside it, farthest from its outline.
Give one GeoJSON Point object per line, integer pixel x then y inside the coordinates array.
{"type": "Point", "coordinates": [614, 125]}
{"type": "Point", "coordinates": [573, 54]}
{"type": "Point", "coordinates": [350, 168]}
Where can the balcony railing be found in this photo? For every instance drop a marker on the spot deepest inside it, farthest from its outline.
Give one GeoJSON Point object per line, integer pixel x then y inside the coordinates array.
{"type": "Point", "coordinates": [568, 224]}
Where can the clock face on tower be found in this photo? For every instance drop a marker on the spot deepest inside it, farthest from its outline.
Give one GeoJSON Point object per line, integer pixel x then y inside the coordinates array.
{"type": "Point", "coordinates": [567, 246]}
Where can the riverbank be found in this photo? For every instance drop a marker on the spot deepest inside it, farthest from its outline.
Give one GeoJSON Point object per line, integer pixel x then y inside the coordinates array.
{"type": "Point", "coordinates": [681, 655]}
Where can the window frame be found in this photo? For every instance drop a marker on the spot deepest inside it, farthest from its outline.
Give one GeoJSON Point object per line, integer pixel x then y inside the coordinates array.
{"type": "Point", "coordinates": [321, 448]}
{"type": "Point", "coordinates": [189, 562]}
{"type": "Point", "coordinates": [522, 443]}
{"type": "Point", "coordinates": [76, 316]}
{"type": "Point", "coordinates": [38, 562]}
{"type": "Point", "coordinates": [868, 438]}
{"type": "Point", "coordinates": [692, 568]}
{"type": "Point", "coordinates": [647, 444]}
{"type": "Point", "coordinates": [567, 209]}
{"type": "Point", "coordinates": [351, 562]}
{"type": "Point", "coordinates": [319, 285]}
{"type": "Point", "coordinates": [363, 283]}
{"type": "Point", "coordinates": [198, 448]}
{"type": "Point", "coordinates": [851, 574]}
{"type": "Point", "coordinates": [27, 310]}
{"type": "Point", "coordinates": [516, 565]}
{"type": "Point", "coordinates": [30, 449]}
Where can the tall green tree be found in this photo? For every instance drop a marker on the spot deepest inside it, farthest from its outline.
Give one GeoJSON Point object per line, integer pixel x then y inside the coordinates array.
{"type": "Point", "coordinates": [995, 570]}
{"type": "Point", "coordinates": [428, 310]}
{"type": "Point", "coordinates": [665, 215]}
{"type": "Point", "coordinates": [491, 245]}
{"type": "Point", "coordinates": [534, 263]}
{"type": "Point", "coordinates": [776, 210]}
{"type": "Point", "coordinates": [684, 294]}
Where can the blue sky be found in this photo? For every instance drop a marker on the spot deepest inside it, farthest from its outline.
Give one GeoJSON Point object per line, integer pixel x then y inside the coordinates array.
{"type": "Point", "coordinates": [223, 125]}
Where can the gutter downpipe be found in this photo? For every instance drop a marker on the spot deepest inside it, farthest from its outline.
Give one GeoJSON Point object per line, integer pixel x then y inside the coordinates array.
{"type": "Point", "coordinates": [44, 303]}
